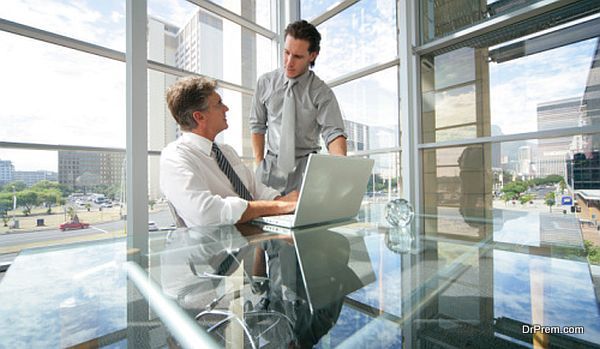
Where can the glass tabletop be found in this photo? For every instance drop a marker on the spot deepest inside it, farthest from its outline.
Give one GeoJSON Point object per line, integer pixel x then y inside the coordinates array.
{"type": "Point", "coordinates": [493, 283]}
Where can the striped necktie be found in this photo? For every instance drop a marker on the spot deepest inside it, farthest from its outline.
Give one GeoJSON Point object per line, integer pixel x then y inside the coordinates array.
{"type": "Point", "coordinates": [225, 166]}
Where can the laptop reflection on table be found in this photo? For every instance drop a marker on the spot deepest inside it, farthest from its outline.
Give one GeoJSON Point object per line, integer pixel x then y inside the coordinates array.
{"type": "Point", "coordinates": [332, 264]}
{"type": "Point", "coordinates": [332, 190]}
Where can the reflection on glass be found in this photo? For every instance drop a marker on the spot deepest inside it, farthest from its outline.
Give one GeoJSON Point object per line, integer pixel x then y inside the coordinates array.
{"type": "Point", "coordinates": [385, 182]}
{"type": "Point", "coordinates": [98, 22]}
{"type": "Point", "coordinates": [501, 87]}
{"type": "Point", "coordinates": [360, 36]}
{"type": "Point", "coordinates": [205, 43]}
{"type": "Point", "coordinates": [370, 110]}
{"type": "Point", "coordinates": [258, 11]}
{"type": "Point", "coordinates": [77, 98]}
{"type": "Point", "coordinates": [440, 18]}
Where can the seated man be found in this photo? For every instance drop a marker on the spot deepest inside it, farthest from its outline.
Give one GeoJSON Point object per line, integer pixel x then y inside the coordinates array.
{"type": "Point", "coordinates": [207, 183]}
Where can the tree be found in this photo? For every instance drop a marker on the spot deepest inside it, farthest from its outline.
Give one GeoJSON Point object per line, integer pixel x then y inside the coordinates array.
{"type": "Point", "coordinates": [27, 199]}
{"type": "Point", "coordinates": [514, 189]}
{"type": "Point", "coordinates": [550, 200]}
{"type": "Point", "coordinates": [151, 203]}
{"type": "Point", "coordinates": [562, 185]}
{"type": "Point", "coordinates": [70, 212]}
{"type": "Point", "coordinates": [17, 185]}
{"type": "Point", "coordinates": [87, 206]}
{"type": "Point", "coordinates": [524, 199]}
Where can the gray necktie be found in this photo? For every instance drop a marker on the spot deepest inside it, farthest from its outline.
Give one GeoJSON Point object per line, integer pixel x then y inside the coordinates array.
{"type": "Point", "coordinates": [225, 166]}
{"type": "Point", "coordinates": [287, 142]}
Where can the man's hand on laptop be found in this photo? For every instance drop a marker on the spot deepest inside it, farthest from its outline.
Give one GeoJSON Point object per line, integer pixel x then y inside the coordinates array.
{"type": "Point", "coordinates": [268, 208]}
{"type": "Point", "coordinates": [290, 197]}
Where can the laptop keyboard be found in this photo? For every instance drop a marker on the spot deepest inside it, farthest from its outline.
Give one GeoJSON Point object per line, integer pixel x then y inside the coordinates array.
{"type": "Point", "coordinates": [283, 217]}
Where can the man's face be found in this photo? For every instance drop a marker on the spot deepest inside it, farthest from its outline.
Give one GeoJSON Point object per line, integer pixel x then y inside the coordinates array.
{"type": "Point", "coordinates": [296, 58]}
{"type": "Point", "coordinates": [215, 118]}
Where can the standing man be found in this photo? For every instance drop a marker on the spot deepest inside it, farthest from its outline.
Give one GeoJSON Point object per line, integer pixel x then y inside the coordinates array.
{"type": "Point", "coordinates": [206, 182]}
{"type": "Point", "coordinates": [293, 106]}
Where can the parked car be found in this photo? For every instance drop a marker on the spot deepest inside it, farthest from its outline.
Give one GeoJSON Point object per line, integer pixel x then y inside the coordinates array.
{"type": "Point", "coordinates": [106, 205]}
{"type": "Point", "coordinates": [152, 226]}
{"type": "Point", "coordinates": [73, 225]}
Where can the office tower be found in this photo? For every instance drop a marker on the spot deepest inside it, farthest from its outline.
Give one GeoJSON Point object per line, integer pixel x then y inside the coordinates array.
{"type": "Point", "coordinates": [81, 170]}
{"type": "Point", "coordinates": [552, 152]}
{"type": "Point", "coordinates": [162, 129]}
{"type": "Point", "coordinates": [7, 170]}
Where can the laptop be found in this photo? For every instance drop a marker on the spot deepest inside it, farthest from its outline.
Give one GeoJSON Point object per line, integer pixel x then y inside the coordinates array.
{"type": "Point", "coordinates": [332, 190]}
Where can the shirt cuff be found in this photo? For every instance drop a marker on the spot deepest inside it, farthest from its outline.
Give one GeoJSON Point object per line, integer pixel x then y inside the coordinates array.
{"type": "Point", "coordinates": [261, 129]}
{"type": "Point", "coordinates": [333, 135]}
{"type": "Point", "coordinates": [233, 210]}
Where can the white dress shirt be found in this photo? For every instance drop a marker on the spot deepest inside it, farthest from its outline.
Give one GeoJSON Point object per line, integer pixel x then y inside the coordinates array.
{"type": "Point", "coordinates": [200, 192]}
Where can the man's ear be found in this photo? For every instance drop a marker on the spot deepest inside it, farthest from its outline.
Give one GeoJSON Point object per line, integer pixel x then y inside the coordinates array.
{"type": "Point", "coordinates": [198, 116]}
{"type": "Point", "coordinates": [313, 56]}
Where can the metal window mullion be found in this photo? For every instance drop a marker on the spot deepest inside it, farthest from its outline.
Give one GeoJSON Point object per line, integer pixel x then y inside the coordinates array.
{"type": "Point", "coordinates": [357, 74]}
{"type": "Point", "coordinates": [408, 74]}
{"type": "Point", "coordinates": [61, 40]}
{"type": "Point", "coordinates": [557, 133]}
{"type": "Point", "coordinates": [341, 6]}
{"type": "Point", "coordinates": [82, 46]}
{"type": "Point", "coordinates": [375, 152]}
{"type": "Point", "coordinates": [492, 24]}
{"type": "Point", "coordinates": [168, 69]}
{"type": "Point", "coordinates": [137, 129]}
{"type": "Point", "coordinates": [234, 17]}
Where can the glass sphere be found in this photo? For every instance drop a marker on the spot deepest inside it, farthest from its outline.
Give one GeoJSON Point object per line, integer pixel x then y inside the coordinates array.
{"type": "Point", "coordinates": [399, 213]}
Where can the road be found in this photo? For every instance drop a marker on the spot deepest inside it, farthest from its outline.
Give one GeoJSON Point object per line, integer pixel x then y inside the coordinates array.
{"type": "Point", "coordinates": [11, 240]}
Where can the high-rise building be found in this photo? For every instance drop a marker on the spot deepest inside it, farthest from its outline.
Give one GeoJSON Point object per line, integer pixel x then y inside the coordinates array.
{"type": "Point", "coordinates": [358, 135]}
{"type": "Point", "coordinates": [552, 152]}
{"type": "Point", "coordinates": [162, 129]}
{"type": "Point", "coordinates": [7, 170]}
{"type": "Point", "coordinates": [81, 170]}
{"type": "Point", "coordinates": [590, 103]}
{"type": "Point", "coordinates": [524, 165]}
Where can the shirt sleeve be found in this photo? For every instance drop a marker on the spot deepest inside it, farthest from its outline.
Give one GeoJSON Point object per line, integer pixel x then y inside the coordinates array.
{"type": "Point", "coordinates": [329, 115]}
{"type": "Point", "coordinates": [258, 110]}
{"type": "Point", "coordinates": [194, 202]}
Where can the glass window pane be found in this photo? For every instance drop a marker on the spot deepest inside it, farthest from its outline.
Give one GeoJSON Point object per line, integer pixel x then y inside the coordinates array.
{"type": "Point", "coordinates": [59, 96]}
{"type": "Point", "coordinates": [521, 192]}
{"type": "Point", "coordinates": [97, 22]}
{"type": "Point", "coordinates": [312, 8]}
{"type": "Point", "coordinates": [370, 109]}
{"type": "Point", "coordinates": [504, 89]}
{"type": "Point", "coordinates": [207, 44]}
{"type": "Point", "coordinates": [362, 35]}
{"type": "Point", "coordinates": [83, 189]}
{"type": "Point", "coordinates": [258, 11]}
{"type": "Point", "coordinates": [385, 182]}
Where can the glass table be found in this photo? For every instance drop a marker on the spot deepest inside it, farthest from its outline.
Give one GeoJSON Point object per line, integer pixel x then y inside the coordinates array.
{"type": "Point", "coordinates": [515, 280]}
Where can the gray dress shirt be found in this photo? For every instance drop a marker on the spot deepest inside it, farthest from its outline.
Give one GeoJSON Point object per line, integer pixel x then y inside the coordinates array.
{"type": "Point", "coordinates": [317, 111]}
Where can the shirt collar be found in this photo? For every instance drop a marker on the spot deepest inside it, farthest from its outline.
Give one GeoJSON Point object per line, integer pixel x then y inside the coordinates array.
{"type": "Point", "coordinates": [204, 144]}
{"type": "Point", "coordinates": [301, 80]}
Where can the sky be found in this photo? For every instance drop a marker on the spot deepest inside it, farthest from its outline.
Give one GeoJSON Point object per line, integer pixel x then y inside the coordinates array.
{"type": "Point", "coordinates": [55, 95]}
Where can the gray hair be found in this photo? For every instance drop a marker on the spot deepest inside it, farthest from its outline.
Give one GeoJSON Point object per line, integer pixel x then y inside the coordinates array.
{"type": "Point", "coordinates": [188, 95]}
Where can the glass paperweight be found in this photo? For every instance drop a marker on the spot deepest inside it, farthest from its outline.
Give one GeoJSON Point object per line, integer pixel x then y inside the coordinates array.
{"type": "Point", "coordinates": [399, 213]}
{"type": "Point", "coordinates": [399, 239]}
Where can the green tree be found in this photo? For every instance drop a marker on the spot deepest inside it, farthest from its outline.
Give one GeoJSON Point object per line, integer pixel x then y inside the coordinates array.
{"type": "Point", "coordinates": [151, 203]}
{"type": "Point", "coordinates": [514, 189]}
{"type": "Point", "coordinates": [27, 199]}
{"type": "Point", "coordinates": [550, 200]}
{"type": "Point", "coordinates": [562, 185]}
{"type": "Point", "coordinates": [87, 206]}
{"type": "Point", "coordinates": [70, 212]}
{"type": "Point", "coordinates": [524, 199]}
{"type": "Point", "coordinates": [17, 185]}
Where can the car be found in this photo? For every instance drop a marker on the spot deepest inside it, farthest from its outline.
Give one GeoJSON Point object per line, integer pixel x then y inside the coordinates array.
{"type": "Point", "coordinates": [152, 226]}
{"type": "Point", "coordinates": [73, 225]}
{"type": "Point", "coordinates": [106, 205]}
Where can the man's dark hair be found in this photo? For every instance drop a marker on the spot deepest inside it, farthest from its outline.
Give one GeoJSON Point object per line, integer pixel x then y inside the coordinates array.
{"type": "Point", "coordinates": [188, 95]}
{"type": "Point", "coordinates": [302, 30]}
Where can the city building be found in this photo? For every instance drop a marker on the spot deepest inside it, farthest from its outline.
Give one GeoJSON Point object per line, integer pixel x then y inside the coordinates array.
{"type": "Point", "coordinates": [32, 177]}
{"type": "Point", "coordinates": [552, 153]}
{"type": "Point", "coordinates": [7, 170]}
{"type": "Point", "coordinates": [81, 170]}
